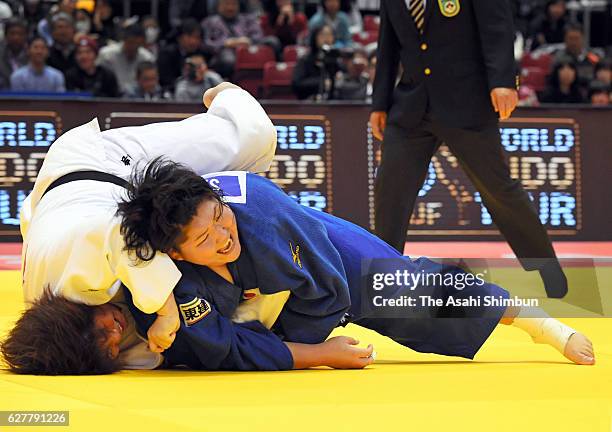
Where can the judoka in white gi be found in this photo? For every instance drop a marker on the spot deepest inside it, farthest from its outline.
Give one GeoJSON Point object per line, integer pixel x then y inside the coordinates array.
{"type": "Point", "coordinates": [72, 241]}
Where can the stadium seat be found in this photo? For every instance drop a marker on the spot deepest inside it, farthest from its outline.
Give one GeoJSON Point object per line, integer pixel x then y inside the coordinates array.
{"type": "Point", "coordinates": [277, 80]}
{"type": "Point", "coordinates": [303, 37]}
{"type": "Point", "coordinates": [291, 53]}
{"type": "Point", "coordinates": [365, 38]}
{"type": "Point", "coordinates": [542, 61]}
{"type": "Point", "coordinates": [371, 23]}
{"type": "Point", "coordinates": [250, 61]}
{"type": "Point", "coordinates": [534, 77]}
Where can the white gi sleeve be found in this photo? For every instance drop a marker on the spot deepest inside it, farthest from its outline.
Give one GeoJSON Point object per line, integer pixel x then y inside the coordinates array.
{"type": "Point", "coordinates": [150, 282]}
{"type": "Point", "coordinates": [235, 134]}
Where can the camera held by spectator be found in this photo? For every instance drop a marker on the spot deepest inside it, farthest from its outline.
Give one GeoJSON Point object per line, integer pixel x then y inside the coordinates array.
{"type": "Point", "coordinates": [197, 78]}
{"type": "Point", "coordinates": [329, 57]}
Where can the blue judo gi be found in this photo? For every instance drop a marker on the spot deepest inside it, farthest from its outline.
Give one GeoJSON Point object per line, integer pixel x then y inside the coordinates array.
{"type": "Point", "coordinates": [327, 264]}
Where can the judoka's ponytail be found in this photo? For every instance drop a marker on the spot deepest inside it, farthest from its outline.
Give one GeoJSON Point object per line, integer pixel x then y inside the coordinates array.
{"type": "Point", "coordinates": [163, 199]}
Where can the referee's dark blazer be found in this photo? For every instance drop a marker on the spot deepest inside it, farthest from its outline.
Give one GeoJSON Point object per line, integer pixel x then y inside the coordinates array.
{"type": "Point", "coordinates": [450, 69]}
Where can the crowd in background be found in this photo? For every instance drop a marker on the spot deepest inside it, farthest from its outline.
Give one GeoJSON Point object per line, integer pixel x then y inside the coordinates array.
{"type": "Point", "coordinates": [329, 49]}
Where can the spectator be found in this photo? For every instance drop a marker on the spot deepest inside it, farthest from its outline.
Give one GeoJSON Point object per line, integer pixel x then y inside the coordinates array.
{"type": "Point", "coordinates": [5, 13]}
{"type": "Point", "coordinates": [254, 7]}
{"type": "Point", "coordinates": [309, 77]}
{"type": "Point", "coordinates": [563, 84]}
{"type": "Point", "coordinates": [44, 26]}
{"type": "Point", "coordinates": [371, 75]}
{"type": "Point", "coordinates": [349, 7]}
{"type": "Point", "coordinates": [65, 6]}
{"type": "Point", "coordinates": [61, 53]}
{"type": "Point", "coordinates": [103, 23]}
{"type": "Point", "coordinates": [123, 58]}
{"type": "Point", "coordinates": [179, 10]}
{"type": "Point", "coordinates": [86, 76]}
{"type": "Point", "coordinates": [14, 5]}
{"type": "Point", "coordinates": [13, 51]}
{"type": "Point", "coordinates": [599, 93]}
{"type": "Point", "coordinates": [353, 85]}
{"type": "Point", "coordinates": [197, 78]}
{"type": "Point", "coordinates": [151, 28]}
{"type": "Point", "coordinates": [227, 30]}
{"type": "Point", "coordinates": [147, 88]}
{"type": "Point", "coordinates": [34, 11]}
{"type": "Point", "coordinates": [36, 76]}
{"type": "Point", "coordinates": [282, 21]}
{"type": "Point", "coordinates": [549, 26]}
{"type": "Point", "coordinates": [584, 59]}
{"type": "Point", "coordinates": [82, 22]}
{"type": "Point", "coordinates": [525, 13]}
{"type": "Point", "coordinates": [172, 57]}
{"type": "Point", "coordinates": [603, 72]}
{"type": "Point", "coordinates": [331, 15]}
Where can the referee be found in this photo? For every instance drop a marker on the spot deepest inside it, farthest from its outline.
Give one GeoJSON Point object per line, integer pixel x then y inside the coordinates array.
{"type": "Point", "coordinates": [458, 71]}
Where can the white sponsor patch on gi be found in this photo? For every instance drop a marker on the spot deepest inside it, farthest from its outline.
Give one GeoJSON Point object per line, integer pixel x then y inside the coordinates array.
{"type": "Point", "coordinates": [194, 310]}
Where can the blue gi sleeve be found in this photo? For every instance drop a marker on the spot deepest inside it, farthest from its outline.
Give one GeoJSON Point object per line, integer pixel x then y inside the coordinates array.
{"type": "Point", "coordinates": [217, 343]}
{"type": "Point", "coordinates": [207, 340]}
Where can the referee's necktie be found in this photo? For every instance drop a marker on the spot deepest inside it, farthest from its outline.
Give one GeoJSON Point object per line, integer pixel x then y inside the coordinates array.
{"type": "Point", "coordinates": [417, 10]}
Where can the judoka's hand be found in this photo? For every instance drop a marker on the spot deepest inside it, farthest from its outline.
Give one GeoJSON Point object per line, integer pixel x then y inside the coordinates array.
{"type": "Point", "coordinates": [162, 333]}
{"type": "Point", "coordinates": [212, 92]}
{"type": "Point", "coordinates": [342, 352]}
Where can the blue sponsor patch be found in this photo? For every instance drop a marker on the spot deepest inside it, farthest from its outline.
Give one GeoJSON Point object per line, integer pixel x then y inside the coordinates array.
{"type": "Point", "coordinates": [231, 183]}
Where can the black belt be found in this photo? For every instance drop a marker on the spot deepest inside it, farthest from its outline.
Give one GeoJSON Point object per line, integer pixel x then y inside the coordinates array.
{"type": "Point", "coordinates": [87, 175]}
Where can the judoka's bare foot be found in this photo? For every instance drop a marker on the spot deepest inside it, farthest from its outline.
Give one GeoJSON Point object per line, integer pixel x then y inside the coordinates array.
{"type": "Point", "coordinates": [579, 350]}
{"type": "Point", "coordinates": [212, 92]}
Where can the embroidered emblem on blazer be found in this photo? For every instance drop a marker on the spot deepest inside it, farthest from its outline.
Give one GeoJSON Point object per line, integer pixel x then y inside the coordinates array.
{"type": "Point", "coordinates": [449, 8]}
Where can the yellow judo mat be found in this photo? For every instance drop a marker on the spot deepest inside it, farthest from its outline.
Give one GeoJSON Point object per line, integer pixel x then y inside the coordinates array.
{"type": "Point", "coordinates": [513, 385]}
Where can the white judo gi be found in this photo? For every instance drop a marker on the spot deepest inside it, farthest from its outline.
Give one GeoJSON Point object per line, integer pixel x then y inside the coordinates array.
{"type": "Point", "coordinates": [72, 242]}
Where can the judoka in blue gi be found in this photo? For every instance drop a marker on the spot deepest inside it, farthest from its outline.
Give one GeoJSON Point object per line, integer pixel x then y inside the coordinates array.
{"type": "Point", "coordinates": [261, 271]}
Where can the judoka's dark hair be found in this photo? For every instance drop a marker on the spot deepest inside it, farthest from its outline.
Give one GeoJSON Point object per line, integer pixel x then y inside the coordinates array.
{"type": "Point", "coordinates": [55, 336]}
{"type": "Point", "coordinates": [164, 198]}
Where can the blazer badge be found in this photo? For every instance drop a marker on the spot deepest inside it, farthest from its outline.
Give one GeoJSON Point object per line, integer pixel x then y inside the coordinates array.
{"type": "Point", "coordinates": [449, 8]}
